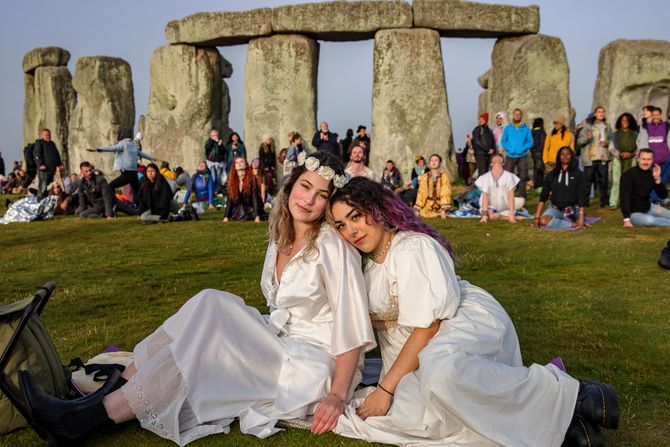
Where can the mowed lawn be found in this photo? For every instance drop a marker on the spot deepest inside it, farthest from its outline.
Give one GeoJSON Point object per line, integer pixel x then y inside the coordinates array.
{"type": "Point", "coordinates": [594, 297]}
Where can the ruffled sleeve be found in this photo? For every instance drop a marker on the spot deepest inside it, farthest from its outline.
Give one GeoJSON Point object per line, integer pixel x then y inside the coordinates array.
{"type": "Point", "coordinates": [425, 282]}
{"type": "Point", "coordinates": [343, 278]}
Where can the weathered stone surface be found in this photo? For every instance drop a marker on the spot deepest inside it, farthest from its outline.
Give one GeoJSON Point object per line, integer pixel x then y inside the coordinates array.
{"type": "Point", "coordinates": [49, 100]}
{"type": "Point", "coordinates": [342, 20]}
{"type": "Point", "coordinates": [455, 18]}
{"type": "Point", "coordinates": [185, 103]}
{"type": "Point", "coordinates": [631, 74]}
{"type": "Point", "coordinates": [45, 57]}
{"type": "Point", "coordinates": [280, 89]}
{"type": "Point", "coordinates": [226, 68]}
{"type": "Point", "coordinates": [531, 73]}
{"type": "Point", "coordinates": [410, 114]}
{"type": "Point", "coordinates": [105, 103]}
{"type": "Point", "coordinates": [483, 80]}
{"type": "Point", "coordinates": [220, 28]}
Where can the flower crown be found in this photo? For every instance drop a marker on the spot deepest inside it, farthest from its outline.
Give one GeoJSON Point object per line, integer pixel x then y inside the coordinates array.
{"type": "Point", "coordinates": [312, 164]}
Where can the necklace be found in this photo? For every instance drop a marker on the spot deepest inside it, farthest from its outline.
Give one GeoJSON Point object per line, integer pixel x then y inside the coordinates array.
{"type": "Point", "coordinates": [380, 255]}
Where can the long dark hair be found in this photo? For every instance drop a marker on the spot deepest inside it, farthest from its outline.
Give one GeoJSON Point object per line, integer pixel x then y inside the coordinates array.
{"type": "Point", "coordinates": [573, 160]}
{"type": "Point", "coordinates": [385, 208]}
{"type": "Point", "coordinates": [158, 183]}
{"type": "Point", "coordinates": [632, 122]}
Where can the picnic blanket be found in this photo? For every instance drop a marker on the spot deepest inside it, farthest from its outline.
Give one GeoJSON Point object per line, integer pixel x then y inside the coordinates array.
{"type": "Point", "coordinates": [588, 220]}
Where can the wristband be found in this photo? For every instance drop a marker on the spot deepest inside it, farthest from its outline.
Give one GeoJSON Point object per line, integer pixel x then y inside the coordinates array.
{"type": "Point", "coordinates": [384, 389]}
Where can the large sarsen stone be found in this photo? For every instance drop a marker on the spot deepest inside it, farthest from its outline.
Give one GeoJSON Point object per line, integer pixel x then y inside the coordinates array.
{"type": "Point", "coordinates": [220, 28]}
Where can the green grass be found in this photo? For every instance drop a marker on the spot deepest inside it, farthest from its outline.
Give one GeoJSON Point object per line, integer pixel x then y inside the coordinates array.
{"type": "Point", "coordinates": [594, 297]}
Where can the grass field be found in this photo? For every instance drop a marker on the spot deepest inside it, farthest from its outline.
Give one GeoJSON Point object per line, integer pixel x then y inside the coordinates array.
{"type": "Point", "coordinates": [595, 297]}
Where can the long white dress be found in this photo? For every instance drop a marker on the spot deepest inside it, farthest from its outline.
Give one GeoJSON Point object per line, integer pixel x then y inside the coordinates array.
{"type": "Point", "coordinates": [217, 359]}
{"type": "Point", "coordinates": [471, 387]}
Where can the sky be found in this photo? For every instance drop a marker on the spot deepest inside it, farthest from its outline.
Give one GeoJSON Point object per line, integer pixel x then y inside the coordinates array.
{"type": "Point", "coordinates": [132, 30]}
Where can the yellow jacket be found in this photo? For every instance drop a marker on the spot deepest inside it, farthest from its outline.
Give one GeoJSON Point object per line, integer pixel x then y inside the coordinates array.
{"type": "Point", "coordinates": [434, 196]}
{"type": "Point", "coordinates": [169, 173]}
{"type": "Point", "coordinates": [554, 142]}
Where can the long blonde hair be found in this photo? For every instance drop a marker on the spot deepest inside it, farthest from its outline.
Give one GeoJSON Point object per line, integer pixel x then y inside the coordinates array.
{"type": "Point", "coordinates": [281, 221]}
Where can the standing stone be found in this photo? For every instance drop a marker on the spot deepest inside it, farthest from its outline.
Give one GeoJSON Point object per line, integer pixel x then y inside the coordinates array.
{"type": "Point", "coordinates": [280, 89]}
{"type": "Point", "coordinates": [632, 74]}
{"type": "Point", "coordinates": [49, 98]}
{"type": "Point", "coordinates": [410, 114]}
{"type": "Point", "coordinates": [531, 73]}
{"type": "Point", "coordinates": [185, 103]}
{"type": "Point", "coordinates": [105, 103]}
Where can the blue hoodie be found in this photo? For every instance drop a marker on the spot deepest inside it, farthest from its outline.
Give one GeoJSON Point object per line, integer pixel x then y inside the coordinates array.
{"type": "Point", "coordinates": [517, 141]}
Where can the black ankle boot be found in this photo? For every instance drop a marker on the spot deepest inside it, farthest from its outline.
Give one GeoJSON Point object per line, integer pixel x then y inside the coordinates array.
{"type": "Point", "coordinates": [63, 421]}
{"type": "Point", "coordinates": [582, 433]}
{"type": "Point", "coordinates": [598, 404]}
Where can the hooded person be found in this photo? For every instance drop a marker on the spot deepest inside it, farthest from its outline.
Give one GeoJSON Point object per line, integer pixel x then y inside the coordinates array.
{"type": "Point", "coordinates": [498, 129]}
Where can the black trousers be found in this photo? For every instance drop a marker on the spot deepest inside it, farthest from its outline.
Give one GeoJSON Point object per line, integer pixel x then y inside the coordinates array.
{"type": "Point", "coordinates": [128, 178]}
{"type": "Point", "coordinates": [598, 174]}
{"type": "Point", "coordinates": [483, 163]}
{"type": "Point", "coordinates": [521, 164]}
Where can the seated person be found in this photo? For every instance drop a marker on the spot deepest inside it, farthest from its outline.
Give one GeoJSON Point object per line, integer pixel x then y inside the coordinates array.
{"type": "Point", "coordinates": [244, 199]}
{"type": "Point", "coordinates": [202, 184]}
{"type": "Point", "coordinates": [434, 195]}
{"type": "Point", "coordinates": [356, 166]}
{"type": "Point", "coordinates": [96, 198]}
{"type": "Point", "coordinates": [155, 196]}
{"type": "Point", "coordinates": [637, 184]}
{"type": "Point", "coordinates": [497, 186]}
{"type": "Point", "coordinates": [64, 201]}
{"type": "Point", "coordinates": [566, 187]}
{"type": "Point", "coordinates": [391, 177]}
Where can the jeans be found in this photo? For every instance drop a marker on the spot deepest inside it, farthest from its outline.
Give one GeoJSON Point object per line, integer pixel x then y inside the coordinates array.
{"type": "Point", "coordinates": [665, 177]}
{"type": "Point", "coordinates": [216, 169]}
{"type": "Point", "coordinates": [598, 174]}
{"type": "Point", "coordinates": [45, 178]}
{"type": "Point", "coordinates": [522, 164]}
{"type": "Point", "coordinates": [559, 219]}
{"type": "Point", "coordinates": [657, 216]}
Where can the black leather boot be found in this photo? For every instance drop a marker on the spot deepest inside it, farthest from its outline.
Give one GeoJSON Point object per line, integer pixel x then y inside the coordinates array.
{"type": "Point", "coordinates": [582, 433]}
{"type": "Point", "coordinates": [63, 422]}
{"type": "Point", "coordinates": [598, 404]}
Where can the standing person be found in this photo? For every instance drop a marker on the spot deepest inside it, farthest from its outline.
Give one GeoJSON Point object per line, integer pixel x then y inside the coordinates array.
{"type": "Point", "coordinates": [452, 372]}
{"type": "Point", "coordinates": [434, 195]}
{"type": "Point", "coordinates": [391, 177]}
{"type": "Point", "coordinates": [241, 148]}
{"type": "Point", "coordinates": [244, 196]}
{"type": "Point", "coordinates": [234, 151]}
{"type": "Point", "coordinates": [96, 197]}
{"type": "Point", "coordinates": [155, 196]}
{"type": "Point", "coordinates": [594, 140]}
{"type": "Point", "coordinates": [655, 135]}
{"type": "Point", "coordinates": [215, 157]}
{"type": "Point", "coordinates": [345, 145]}
{"type": "Point", "coordinates": [202, 185]}
{"type": "Point", "coordinates": [356, 166]}
{"type": "Point", "coordinates": [47, 159]}
{"type": "Point", "coordinates": [560, 137]}
{"type": "Point", "coordinates": [565, 186]}
{"type": "Point", "coordinates": [295, 148]}
{"type": "Point", "coordinates": [539, 138]}
{"type": "Point", "coordinates": [217, 359]}
{"type": "Point", "coordinates": [483, 143]}
{"type": "Point", "coordinates": [498, 130]}
{"type": "Point", "coordinates": [126, 153]}
{"type": "Point", "coordinates": [497, 186]}
{"type": "Point", "coordinates": [636, 186]}
{"type": "Point", "coordinates": [268, 157]}
{"type": "Point", "coordinates": [325, 140]}
{"type": "Point", "coordinates": [363, 140]}
{"type": "Point", "coordinates": [516, 142]}
{"type": "Point", "coordinates": [2, 165]}
{"type": "Point", "coordinates": [623, 147]}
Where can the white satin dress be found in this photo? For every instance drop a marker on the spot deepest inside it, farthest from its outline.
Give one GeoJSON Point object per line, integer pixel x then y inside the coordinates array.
{"type": "Point", "coordinates": [217, 359]}
{"type": "Point", "coordinates": [471, 388]}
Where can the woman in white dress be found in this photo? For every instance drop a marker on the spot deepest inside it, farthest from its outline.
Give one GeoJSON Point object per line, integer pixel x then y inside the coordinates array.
{"type": "Point", "coordinates": [217, 359]}
{"type": "Point", "coordinates": [452, 371]}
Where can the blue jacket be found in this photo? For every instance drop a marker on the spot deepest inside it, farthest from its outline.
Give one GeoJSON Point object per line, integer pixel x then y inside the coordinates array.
{"type": "Point", "coordinates": [517, 141]}
{"type": "Point", "coordinates": [125, 155]}
{"type": "Point", "coordinates": [203, 187]}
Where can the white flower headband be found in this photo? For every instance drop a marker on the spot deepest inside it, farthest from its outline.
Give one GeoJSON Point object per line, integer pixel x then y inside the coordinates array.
{"type": "Point", "coordinates": [312, 164]}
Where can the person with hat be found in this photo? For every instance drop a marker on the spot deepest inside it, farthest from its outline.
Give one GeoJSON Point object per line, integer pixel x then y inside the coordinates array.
{"type": "Point", "coordinates": [362, 140]}
{"type": "Point", "coordinates": [560, 137]}
{"type": "Point", "coordinates": [483, 144]}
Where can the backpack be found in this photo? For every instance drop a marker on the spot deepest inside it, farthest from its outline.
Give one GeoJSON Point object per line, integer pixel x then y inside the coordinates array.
{"type": "Point", "coordinates": [29, 156]}
{"type": "Point", "coordinates": [26, 345]}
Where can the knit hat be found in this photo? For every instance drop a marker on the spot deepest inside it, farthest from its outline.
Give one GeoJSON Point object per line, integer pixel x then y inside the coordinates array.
{"type": "Point", "coordinates": [560, 119]}
{"type": "Point", "coordinates": [485, 116]}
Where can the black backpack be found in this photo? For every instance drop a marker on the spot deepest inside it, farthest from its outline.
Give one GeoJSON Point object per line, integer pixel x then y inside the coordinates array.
{"type": "Point", "coordinates": [29, 156]}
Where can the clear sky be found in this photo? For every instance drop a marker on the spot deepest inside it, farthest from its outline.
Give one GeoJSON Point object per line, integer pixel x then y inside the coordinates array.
{"type": "Point", "coordinates": [132, 29]}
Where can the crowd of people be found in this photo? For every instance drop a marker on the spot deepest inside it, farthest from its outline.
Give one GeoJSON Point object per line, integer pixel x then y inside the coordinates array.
{"type": "Point", "coordinates": [627, 166]}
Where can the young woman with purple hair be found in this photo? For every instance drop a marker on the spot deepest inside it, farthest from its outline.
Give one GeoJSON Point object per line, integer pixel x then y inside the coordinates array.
{"type": "Point", "coordinates": [452, 370]}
